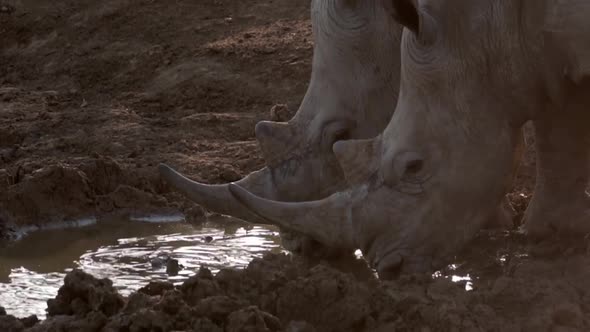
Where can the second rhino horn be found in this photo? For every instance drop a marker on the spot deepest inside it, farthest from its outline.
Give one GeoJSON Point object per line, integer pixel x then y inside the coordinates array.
{"type": "Point", "coordinates": [276, 140]}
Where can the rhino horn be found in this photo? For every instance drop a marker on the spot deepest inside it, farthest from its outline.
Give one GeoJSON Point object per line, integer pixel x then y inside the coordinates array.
{"type": "Point", "coordinates": [357, 159]}
{"type": "Point", "coordinates": [327, 221]}
{"type": "Point", "coordinates": [274, 139]}
{"type": "Point", "coordinates": [217, 197]}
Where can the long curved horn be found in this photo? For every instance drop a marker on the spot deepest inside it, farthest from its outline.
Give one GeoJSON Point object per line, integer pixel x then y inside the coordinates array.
{"type": "Point", "coordinates": [328, 221]}
{"type": "Point", "coordinates": [217, 198]}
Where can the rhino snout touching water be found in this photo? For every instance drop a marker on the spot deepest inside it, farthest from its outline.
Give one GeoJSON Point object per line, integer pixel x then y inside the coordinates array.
{"type": "Point", "coordinates": [473, 72]}
{"type": "Point", "coordinates": [353, 89]}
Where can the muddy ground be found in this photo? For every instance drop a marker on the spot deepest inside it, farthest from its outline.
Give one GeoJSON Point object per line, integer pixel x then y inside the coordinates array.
{"type": "Point", "coordinates": [282, 293]}
{"type": "Point", "coordinates": [94, 94]}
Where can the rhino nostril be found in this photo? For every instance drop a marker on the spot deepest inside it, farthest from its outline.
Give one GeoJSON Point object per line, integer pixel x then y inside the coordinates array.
{"type": "Point", "coordinates": [342, 135]}
{"type": "Point", "coordinates": [414, 166]}
{"type": "Point", "coordinates": [390, 267]}
{"type": "Point", "coordinates": [406, 164]}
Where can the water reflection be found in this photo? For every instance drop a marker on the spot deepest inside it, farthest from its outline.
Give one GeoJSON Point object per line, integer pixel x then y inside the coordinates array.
{"type": "Point", "coordinates": [32, 270]}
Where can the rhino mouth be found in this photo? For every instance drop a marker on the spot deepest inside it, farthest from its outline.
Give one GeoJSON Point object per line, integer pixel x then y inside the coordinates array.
{"type": "Point", "coordinates": [390, 239]}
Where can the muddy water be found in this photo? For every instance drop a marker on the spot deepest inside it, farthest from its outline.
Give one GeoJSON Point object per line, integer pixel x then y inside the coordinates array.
{"type": "Point", "coordinates": [130, 253]}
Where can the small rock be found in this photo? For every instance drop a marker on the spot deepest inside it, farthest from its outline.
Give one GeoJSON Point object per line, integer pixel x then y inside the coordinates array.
{"type": "Point", "coordinates": [208, 239]}
{"type": "Point", "coordinates": [230, 175]}
{"type": "Point", "coordinates": [8, 154]}
{"type": "Point", "coordinates": [172, 267]}
{"type": "Point", "coordinates": [171, 302]}
{"type": "Point", "coordinates": [205, 273]}
{"type": "Point", "coordinates": [6, 9]}
{"type": "Point", "coordinates": [149, 320]}
{"type": "Point", "coordinates": [157, 262]}
{"type": "Point", "coordinates": [156, 288]}
{"type": "Point", "coordinates": [252, 319]}
{"type": "Point", "coordinates": [280, 113]}
{"type": "Point", "coordinates": [218, 308]}
{"type": "Point", "coordinates": [30, 321]}
{"type": "Point", "coordinates": [195, 215]}
{"type": "Point", "coordinates": [500, 286]}
{"type": "Point", "coordinates": [199, 287]}
{"type": "Point", "coordinates": [136, 199]}
{"type": "Point", "coordinates": [82, 293]}
{"type": "Point", "coordinates": [300, 326]}
{"type": "Point", "coordinates": [10, 324]}
{"type": "Point", "coordinates": [205, 324]}
{"type": "Point", "coordinates": [567, 314]}
{"type": "Point", "coordinates": [137, 301]}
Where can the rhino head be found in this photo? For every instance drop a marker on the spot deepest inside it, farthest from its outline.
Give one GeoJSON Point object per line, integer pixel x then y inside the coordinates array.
{"type": "Point", "coordinates": [353, 89]}
{"type": "Point", "coordinates": [427, 184]}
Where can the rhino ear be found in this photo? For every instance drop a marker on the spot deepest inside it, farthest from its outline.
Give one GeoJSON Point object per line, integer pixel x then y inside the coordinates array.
{"type": "Point", "coordinates": [406, 13]}
{"type": "Point", "coordinates": [566, 30]}
{"type": "Point", "coordinates": [275, 140]}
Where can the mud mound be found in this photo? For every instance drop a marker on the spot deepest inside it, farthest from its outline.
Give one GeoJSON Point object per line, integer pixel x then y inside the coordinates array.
{"type": "Point", "coordinates": [283, 293]}
{"type": "Point", "coordinates": [53, 193]}
{"type": "Point", "coordinates": [82, 294]}
{"type": "Point", "coordinates": [76, 190]}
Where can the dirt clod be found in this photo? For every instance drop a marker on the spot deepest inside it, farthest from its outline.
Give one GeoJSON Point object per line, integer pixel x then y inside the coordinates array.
{"type": "Point", "coordinates": [49, 194]}
{"type": "Point", "coordinates": [11, 324]}
{"type": "Point", "coordinates": [280, 113]}
{"type": "Point", "coordinates": [195, 215]}
{"type": "Point", "coordinates": [172, 267]}
{"type": "Point", "coordinates": [251, 319]}
{"type": "Point", "coordinates": [318, 297]}
{"type": "Point", "coordinates": [83, 293]}
{"type": "Point", "coordinates": [156, 288]}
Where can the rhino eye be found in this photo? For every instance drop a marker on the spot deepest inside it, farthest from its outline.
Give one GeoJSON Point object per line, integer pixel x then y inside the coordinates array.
{"type": "Point", "coordinates": [342, 135]}
{"type": "Point", "coordinates": [334, 132]}
{"type": "Point", "coordinates": [406, 13]}
{"type": "Point", "coordinates": [414, 167]}
{"type": "Point", "coordinates": [407, 163]}
{"type": "Point", "coordinates": [406, 173]}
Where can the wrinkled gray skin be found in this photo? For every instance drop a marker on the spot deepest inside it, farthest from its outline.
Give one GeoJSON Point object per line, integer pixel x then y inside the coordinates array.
{"type": "Point", "coordinates": [473, 72]}
{"type": "Point", "coordinates": [353, 89]}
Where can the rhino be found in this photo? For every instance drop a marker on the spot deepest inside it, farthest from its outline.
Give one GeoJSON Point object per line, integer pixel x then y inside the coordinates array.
{"type": "Point", "coordinates": [473, 73]}
{"type": "Point", "coordinates": [352, 92]}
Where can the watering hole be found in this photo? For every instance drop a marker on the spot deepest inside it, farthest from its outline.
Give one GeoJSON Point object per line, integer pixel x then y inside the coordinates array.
{"type": "Point", "coordinates": [130, 253]}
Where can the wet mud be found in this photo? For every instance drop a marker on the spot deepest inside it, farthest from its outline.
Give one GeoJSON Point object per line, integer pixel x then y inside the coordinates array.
{"type": "Point", "coordinates": [512, 291]}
